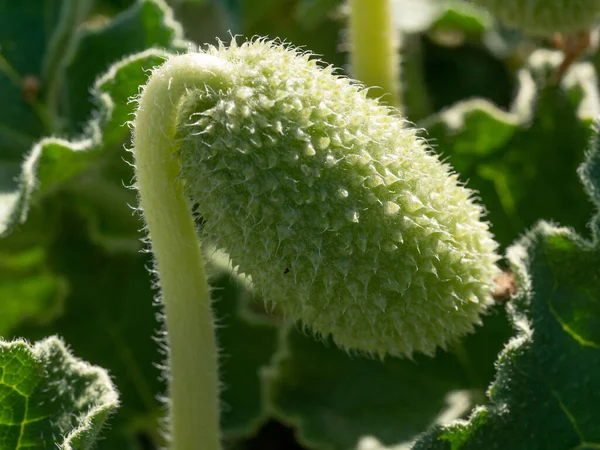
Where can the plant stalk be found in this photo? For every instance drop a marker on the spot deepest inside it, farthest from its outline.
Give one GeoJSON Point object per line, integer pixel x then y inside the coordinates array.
{"type": "Point", "coordinates": [193, 382]}
{"type": "Point", "coordinates": [374, 43]}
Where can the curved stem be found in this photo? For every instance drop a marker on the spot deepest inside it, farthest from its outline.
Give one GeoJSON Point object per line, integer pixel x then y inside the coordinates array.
{"type": "Point", "coordinates": [193, 389]}
{"type": "Point", "coordinates": [374, 45]}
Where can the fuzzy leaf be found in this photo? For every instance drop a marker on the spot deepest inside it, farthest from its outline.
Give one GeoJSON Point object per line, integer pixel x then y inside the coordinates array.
{"type": "Point", "coordinates": [53, 162]}
{"type": "Point", "coordinates": [463, 17]}
{"type": "Point", "coordinates": [547, 387]}
{"type": "Point", "coordinates": [34, 36]}
{"type": "Point", "coordinates": [147, 24]}
{"type": "Point", "coordinates": [120, 308]}
{"type": "Point", "coordinates": [49, 398]}
{"type": "Point", "coordinates": [109, 297]}
{"type": "Point", "coordinates": [589, 173]}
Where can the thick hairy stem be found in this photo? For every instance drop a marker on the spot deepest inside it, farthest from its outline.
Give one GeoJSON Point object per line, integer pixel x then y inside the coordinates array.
{"type": "Point", "coordinates": [374, 48]}
{"type": "Point", "coordinates": [193, 390]}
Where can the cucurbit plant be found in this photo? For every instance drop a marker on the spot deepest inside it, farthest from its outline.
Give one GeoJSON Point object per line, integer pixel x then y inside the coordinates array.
{"type": "Point", "coordinates": [338, 211]}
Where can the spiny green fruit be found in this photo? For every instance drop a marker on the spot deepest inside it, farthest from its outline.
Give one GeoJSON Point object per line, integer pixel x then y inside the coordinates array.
{"type": "Point", "coordinates": [333, 205]}
{"type": "Point", "coordinates": [545, 17]}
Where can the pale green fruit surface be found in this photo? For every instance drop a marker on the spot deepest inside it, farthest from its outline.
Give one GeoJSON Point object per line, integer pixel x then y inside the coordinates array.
{"type": "Point", "coordinates": [334, 206]}
{"type": "Point", "coordinates": [545, 17]}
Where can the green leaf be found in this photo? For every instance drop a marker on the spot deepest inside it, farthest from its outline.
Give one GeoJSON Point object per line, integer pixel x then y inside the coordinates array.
{"type": "Point", "coordinates": [463, 17]}
{"type": "Point", "coordinates": [589, 173]}
{"type": "Point", "coordinates": [547, 388]}
{"type": "Point", "coordinates": [514, 159]}
{"type": "Point", "coordinates": [34, 39]}
{"type": "Point", "coordinates": [121, 83]}
{"type": "Point", "coordinates": [51, 162]}
{"type": "Point", "coordinates": [49, 398]}
{"type": "Point", "coordinates": [108, 317]}
{"type": "Point", "coordinates": [337, 401]}
{"type": "Point", "coordinates": [433, 15]}
{"type": "Point", "coordinates": [147, 24]}
{"type": "Point", "coordinates": [92, 167]}
{"type": "Point", "coordinates": [110, 296]}
{"type": "Point", "coordinates": [54, 162]}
